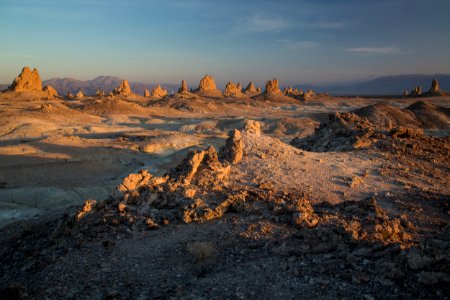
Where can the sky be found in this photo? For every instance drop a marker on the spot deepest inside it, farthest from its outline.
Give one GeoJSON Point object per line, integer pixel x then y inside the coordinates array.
{"type": "Point", "coordinates": [164, 41]}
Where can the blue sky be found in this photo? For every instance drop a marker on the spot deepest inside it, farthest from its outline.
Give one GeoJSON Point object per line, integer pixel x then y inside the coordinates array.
{"type": "Point", "coordinates": [303, 41]}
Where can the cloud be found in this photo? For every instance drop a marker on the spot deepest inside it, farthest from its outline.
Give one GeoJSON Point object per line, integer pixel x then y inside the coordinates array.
{"type": "Point", "coordinates": [264, 23]}
{"type": "Point", "coordinates": [373, 50]}
{"type": "Point", "coordinates": [323, 25]}
{"type": "Point", "coordinates": [298, 45]}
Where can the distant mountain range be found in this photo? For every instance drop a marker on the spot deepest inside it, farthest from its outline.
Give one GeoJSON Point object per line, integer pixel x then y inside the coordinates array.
{"type": "Point", "coordinates": [385, 85]}
{"type": "Point", "coordinates": [103, 83]}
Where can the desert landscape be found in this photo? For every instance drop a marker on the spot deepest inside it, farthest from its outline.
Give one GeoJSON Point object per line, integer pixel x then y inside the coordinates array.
{"type": "Point", "coordinates": [208, 193]}
{"type": "Point", "coordinates": [195, 149]}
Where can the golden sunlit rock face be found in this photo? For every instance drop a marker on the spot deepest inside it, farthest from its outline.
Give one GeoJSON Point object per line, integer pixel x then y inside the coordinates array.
{"type": "Point", "coordinates": [272, 87]}
{"type": "Point", "coordinates": [207, 83]}
{"type": "Point", "coordinates": [159, 92]}
{"type": "Point", "coordinates": [27, 81]}
{"type": "Point", "coordinates": [51, 92]}
{"type": "Point", "coordinates": [124, 89]}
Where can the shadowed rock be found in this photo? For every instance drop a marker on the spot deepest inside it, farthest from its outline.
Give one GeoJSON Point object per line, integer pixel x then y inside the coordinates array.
{"type": "Point", "coordinates": [27, 81]}
{"type": "Point", "coordinates": [233, 151]}
{"type": "Point", "coordinates": [184, 87]}
{"type": "Point", "coordinates": [51, 92]}
{"type": "Point", "coordinates": [250, 88]}
{"type": "Point", "coordinates": [434, 90]}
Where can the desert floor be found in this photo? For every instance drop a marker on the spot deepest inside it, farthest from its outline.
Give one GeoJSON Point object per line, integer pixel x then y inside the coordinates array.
{"type": "Point", "coordinates": [55, 154]}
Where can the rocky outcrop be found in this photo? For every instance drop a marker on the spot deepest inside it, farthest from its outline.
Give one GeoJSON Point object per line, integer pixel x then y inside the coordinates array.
{"type": "Point", "coordinates": [80, 95]}
{"type": "Point", "coordinates": [69, 96]}
{"type": "Point", "coordinates": [231, 89]}
{"type": "Point", "coordinates": [272, 87]}
{"type": "Point", "coordinates": [124, 89]}
{"type": "Point", "coordinates": [233, 151]}
{"type": "Point", "coordinates": [258, 89]}
{"type": "Point", "coordinates": [184, 87]}
{"type": "Point", "coordinates": [99, 93]}
{"type": "Point", "coordinates": [250, 89]}
{"type": "Point", "coordinates": [146, 93]}
{"type": "Point", "coordinates": [239, 87]}
{"type": "Point", "coordinates": [342, 132]}
{"type": "Point", "coordinates": [434, 90]}
{"type": "Point", "coordinates": [417, 91]}
{"type": "Point", "coordinates": [51, 92]}
{"type": "Point", "coordinates": [159, 92]}
{"type": "Point", "coordinates": [207, 83]}
{"type": "Point", "coordinates": [27, 81]}
{"type": "Point", "coordinates": [252, 127]}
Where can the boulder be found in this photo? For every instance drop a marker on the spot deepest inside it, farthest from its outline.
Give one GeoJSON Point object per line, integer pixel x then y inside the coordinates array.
{"type": "Point", "coordinates": [159, 92]}
{"type": "Point", "coordinates": [272, 87]}
{"type": "Point", "coordinates": [124, 89]}
{"type": "Point", "coordinates": [207, 83]}
{"type": "Point", "coordinates": [27, 81]}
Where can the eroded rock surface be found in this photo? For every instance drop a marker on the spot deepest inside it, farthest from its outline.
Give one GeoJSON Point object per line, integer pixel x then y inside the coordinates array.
{"type": "Point", "coordinates": [27, 81]}
{"type": "Point", "coordinates": [124, 89]}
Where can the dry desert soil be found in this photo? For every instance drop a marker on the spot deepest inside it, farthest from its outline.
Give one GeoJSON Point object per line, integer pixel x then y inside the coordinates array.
{"type": "Point", "coordinates": [199, 196]}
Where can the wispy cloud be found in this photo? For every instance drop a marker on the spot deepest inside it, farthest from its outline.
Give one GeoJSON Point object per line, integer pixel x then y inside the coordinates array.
{"type": "Point", "coordinates": [373, 50]}
{"type": "Point", "coordinates": [323, 25]}
{"type": "Point", "coordinates": [264, 23]}
{"type": "Point", "coordinates": [298, 45]}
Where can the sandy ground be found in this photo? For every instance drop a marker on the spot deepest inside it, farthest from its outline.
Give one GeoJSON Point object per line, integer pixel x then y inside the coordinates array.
{"type": "Point", "coordinates": [55, 154]}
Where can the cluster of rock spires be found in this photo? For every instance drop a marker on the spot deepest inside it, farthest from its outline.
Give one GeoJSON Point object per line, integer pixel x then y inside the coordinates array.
{"type": "Point", "coordinates": [30, 81]}
{"type": "Point", "coordinates": [417, 91]}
